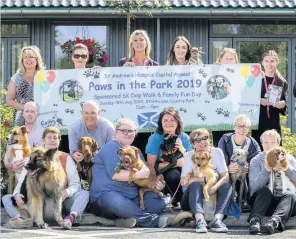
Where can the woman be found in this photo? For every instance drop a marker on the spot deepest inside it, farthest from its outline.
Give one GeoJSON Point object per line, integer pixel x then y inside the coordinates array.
{"type": "Point", "coordinates": [280, 206]}
{"type": "Point", "coordinates": [270, 115]}
{"type": "Point", "coordinates": [192, 199]}
{"type": "Point", "coordinates": [112, 196]}
{"type": "Point", "coordinates": [180, 53]}
{"type": "Point", "coordinates": [169, 122]}
{"type": "Point", "coordinates": [239, 140]}
{"type": "Point", "coordinates": [80, 55]}
{"type": "Point", "coordinates": [21, 85]}
{"type": "Point", "coordinates": [226, 56]}
{"type": "Point", "coordinates": [74, 199]}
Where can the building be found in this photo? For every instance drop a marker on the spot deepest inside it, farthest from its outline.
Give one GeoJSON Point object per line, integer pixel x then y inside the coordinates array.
{"type": "Point", "coordinates": [250, 26]}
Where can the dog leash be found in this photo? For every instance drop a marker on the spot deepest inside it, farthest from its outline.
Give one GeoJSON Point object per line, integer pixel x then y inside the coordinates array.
{"type": "Point", "coordinates": [173, 195]}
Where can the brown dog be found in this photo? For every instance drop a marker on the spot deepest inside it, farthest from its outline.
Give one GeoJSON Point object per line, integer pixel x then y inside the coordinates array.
{"type": "Point", "coordinates": [277, 156]}
{"type": "Point", "coordinates": [87, 146]}
{"type": "Point", "coordinates": [19, 141]}
{"type": "Point", "coordinates": [130, 159]}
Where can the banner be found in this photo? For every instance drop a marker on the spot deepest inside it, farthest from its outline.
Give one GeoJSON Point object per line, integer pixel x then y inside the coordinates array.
{"type": "Point", "coordinates": [209, 96]}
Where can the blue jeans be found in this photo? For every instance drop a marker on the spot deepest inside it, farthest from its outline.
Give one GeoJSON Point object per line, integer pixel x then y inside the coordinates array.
{"type": "Point", "coordinates": [192, 199]}
{"type": "Point", "coordinates": [114, 205]}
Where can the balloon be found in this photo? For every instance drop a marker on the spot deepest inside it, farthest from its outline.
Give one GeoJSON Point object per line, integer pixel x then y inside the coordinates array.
{"type": "Point", "coordinates": [255, 70]}
{"type": "Point", "coordinates": [45, 86]}
{"type": "Point", "coordinates": [40, 76]}
{"type": "Point", "coordinates": [245, 70]}
{"type": "Point", "coordinates": [250, 80]}
{"type": "Point", "coordinates": [50, 76]}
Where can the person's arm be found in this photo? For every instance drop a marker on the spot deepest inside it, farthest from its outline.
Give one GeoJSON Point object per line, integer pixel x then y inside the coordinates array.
{"type": "Point", "coordinates": [10, 97]}
{"type": "Point", "coordinates": [72, 177]}
{"type": "Point", "coordinates": [123, 175]}
{"type": "Point", "coordinates": [254, 149]}
{"type": "Point", "coordinates": [282, 101]}
{"type": "Point", "coordinates": [110, 133]}
{"type": "Point", "coordinates": [222, 146]}
{"type": "Point", "coordinates": [73, 141]}
{"type": "Point", "coordinates": [291, 172]}
{"type": "Point", "coordinates": [17, 189]}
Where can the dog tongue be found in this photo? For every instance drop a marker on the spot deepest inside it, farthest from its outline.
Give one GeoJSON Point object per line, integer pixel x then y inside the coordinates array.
{"type": "Point", "coordinates": [35, 172]}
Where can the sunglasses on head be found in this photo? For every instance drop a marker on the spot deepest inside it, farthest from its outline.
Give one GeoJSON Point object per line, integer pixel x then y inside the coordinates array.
{"type": "Point", "coordinates": [198, 140]}
{"type": "Point", "coordinates": [77, 56]}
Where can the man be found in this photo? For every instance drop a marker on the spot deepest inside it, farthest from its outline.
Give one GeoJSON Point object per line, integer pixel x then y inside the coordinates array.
{"type": "Point", "coordinates": [89, 125]}
{"type": "Point", "coordinates": [280, 206]}
{"type": "Point", "coordinates": [31, 112]}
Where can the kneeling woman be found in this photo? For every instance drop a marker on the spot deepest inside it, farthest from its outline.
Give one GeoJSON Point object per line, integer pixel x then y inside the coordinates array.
{"type": "Point", "coordinates": [112, 196]}
{"type": "Point", "coordinates": [74, 199]}
{"type": "Point", "coordinates": [192, 199]}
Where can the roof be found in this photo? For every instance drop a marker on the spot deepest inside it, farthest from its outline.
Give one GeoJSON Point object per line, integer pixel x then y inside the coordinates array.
{"type": "Point", "coordinates": [172, 3]}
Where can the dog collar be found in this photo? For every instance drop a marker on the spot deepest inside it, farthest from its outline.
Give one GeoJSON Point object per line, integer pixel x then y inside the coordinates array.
{"type": "Point", "coordinates": [241, 164]}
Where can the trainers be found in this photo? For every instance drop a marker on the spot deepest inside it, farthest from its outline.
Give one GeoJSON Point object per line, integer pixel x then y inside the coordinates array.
{"type": "Point", "coordinates": [67, 222]}
{"type": "Point", "coordinates": [201, 226]}
{"type": "Point", "coordinates": [254, 227]}
{"type": "Point", "coordinates": [20, 223]}
{"type": "Point", "coordinates": [245, 207]}
{"type": "Point", "coordinates": [270, 226]}
{"type": "Point", "coordinates": [164, 221]}
{"type": "Point", "coordinates": [218, 226]}
{"type": "Point", "coordinates": [126, 223]}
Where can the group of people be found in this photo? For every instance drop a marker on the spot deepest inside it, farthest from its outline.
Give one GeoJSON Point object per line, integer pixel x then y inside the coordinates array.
{"type": "Point", "coordinates": [110, 195]}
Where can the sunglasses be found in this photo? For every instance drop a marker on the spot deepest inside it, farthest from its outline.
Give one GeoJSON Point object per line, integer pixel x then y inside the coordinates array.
{"type": "Point", "coordinates": [77, 56]}
{"type": "Point", "coordinates": [198, 140]}
{"type": "Point", "coordinates": [127, 131]}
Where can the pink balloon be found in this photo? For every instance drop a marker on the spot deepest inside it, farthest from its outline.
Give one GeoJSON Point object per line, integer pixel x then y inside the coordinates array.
{"type": "Point", "coordinates": [255, 70]}
{"type": "Point", "coordinates": [50, 76]}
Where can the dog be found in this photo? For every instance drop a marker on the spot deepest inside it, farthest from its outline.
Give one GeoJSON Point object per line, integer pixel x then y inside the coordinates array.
{"type": "Point", "coordinates": [46, 178]}
{"type": "Point", "coordinates": [130, 159]}
{"type": "Point", "coordinates": [239, 157]}
{"type": "Point", "coordinates": [278, 180]}
{"type": "Point", "coordinates": [21, 150]}
{"type": "Point", "coordinates": [87, 146]}
{"type": "Point", "coordinates": [170, 154]}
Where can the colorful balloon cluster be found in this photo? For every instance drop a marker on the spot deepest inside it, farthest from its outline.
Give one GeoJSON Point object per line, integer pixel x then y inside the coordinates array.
{"type": "Point", "coordinates": [250, 74]}
{"type": "Point", "coordinates": [45, 81]}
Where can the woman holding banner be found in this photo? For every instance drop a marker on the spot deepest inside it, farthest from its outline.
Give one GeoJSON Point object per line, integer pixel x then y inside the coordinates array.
{"type": "Point", "coordinates": [227, 56]}
{"type": "Point", "coordinates": [270, 114]}
{"type": "Point", "coordinates": [21, 85]}
{"type": "Point", "coordinates": [169, 122]}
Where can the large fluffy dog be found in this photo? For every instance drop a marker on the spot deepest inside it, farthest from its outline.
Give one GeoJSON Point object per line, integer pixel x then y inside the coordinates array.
{"type": "Point", "coordinates": [46, 178]}
{"type": "Point", "coordinates": [130, 159]}
{"type": "Point", "coordinates": [18, 139]}
{"type": "Point", "coordinates": [239, 157]}
{"type": "Point", "coordinates": [87, 146]}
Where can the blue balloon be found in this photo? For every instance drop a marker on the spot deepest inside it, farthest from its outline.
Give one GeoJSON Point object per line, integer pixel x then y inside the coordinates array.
{"type": "Point", "coordinates": [45, 86]}
{"type": "Point", "coordinates": [250, 80]}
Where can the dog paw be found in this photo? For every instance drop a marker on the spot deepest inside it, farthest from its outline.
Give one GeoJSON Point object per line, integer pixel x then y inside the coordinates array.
{"type": "Point", "coordinates": [42, 225]}
{"type": "Point", "coordinates": [219, 111]}
{"type": "Point", "coordinates": [226, 113]}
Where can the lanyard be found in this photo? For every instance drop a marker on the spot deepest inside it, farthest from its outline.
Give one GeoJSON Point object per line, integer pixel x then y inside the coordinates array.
{"type": "Point", "coordinates": [266, 89]}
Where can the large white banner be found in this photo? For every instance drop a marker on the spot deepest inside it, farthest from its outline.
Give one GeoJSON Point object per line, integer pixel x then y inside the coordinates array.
{"type": "Point", "coordinates": [207, 96]}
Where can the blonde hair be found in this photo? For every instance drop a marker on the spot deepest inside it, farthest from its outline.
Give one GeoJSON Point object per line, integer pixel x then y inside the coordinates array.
{"type": "Point", "coordinates": [32, 51]}
{"type": "Point", "coordinates": [171, 54]}
{"type": "Point", "coordinates": [197, 132]}
{"type": "Point", "coordinates": [228, 50]}
{"type": "Point", "coordinates": [79, 46]}
{"type": "Point", "coordinates": [52, 130]}
{"type": "Point", "coordinates": [131, 51]}
{"type": "Point", "coordinates": [271, 133]}
{"type": "Point", "coordinates": [125, 121]}
{"type": "Point", "coordinates": [244, 118]}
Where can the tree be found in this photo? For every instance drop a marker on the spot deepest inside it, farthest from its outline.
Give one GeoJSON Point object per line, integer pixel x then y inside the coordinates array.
{"type": "Point", "coordinates": [133, 6]}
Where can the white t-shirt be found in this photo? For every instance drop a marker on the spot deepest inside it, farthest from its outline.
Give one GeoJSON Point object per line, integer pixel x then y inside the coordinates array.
{"type": "Point", "coordinates": [35, 137]}
{"type": "Point", "coordinates": [217, 160]}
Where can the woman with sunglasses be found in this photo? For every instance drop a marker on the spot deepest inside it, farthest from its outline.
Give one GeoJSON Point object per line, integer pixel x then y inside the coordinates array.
{"type": "Point", "coordinates": [169, 122]}
{"type": "Point", "coordinates": [79, 55]}
{"type": "Point", "coordinates": [192, 199]}
{"type": "Point", "coordinates": [111, 195]}
{"type": "Point", "coordinates": [239, 140]}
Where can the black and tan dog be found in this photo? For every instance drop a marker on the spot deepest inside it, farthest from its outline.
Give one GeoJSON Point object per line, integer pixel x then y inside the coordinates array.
{"type": "Point", "coordinates": [87, 146]}
{"type": "Point", "coordinates": [130, 159]}
{"type": "Point", "coordinates": [46, 178]}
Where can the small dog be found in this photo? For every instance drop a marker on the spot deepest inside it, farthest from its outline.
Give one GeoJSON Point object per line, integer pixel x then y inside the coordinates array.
{"type": "Point", "coordinates": [130, 159]}
{"type": "Point", "coordinates": [278, 180]}
{"type": "Point", "coordinates": [170, 153]}
{"type": "Point", "coordinates": [21, 150]}
{"type": "Point", "coordinates": [87, 146]}
{"type": "Point", "coordinates": [195, 54]}
{"type": "Point", "coordinates": [46, 178]}
{"type": "Point", "coordinates": [239, 157]}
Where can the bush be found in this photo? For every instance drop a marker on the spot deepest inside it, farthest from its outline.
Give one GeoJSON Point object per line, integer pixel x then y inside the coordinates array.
{"type": "Point", "coordinates": [289, 140]}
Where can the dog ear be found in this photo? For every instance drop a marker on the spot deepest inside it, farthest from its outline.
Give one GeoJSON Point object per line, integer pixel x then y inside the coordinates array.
{"type": "Point", "coordinates": [137, 151]}
{"type": "Point", "coordinates": [209, 155]}
{"type": "Point", "coordinates": [79, 144]}
{"type": "Point", "coordinates": [95, 146]}
{"type": "Point", "coordinates": [24, 130]}
{"type": "Point", "coordinates": [50, 152]}
{"type": "Point", "coordinates": [271, 159]}
{"type": "Point", "coordinates": [119, 151]}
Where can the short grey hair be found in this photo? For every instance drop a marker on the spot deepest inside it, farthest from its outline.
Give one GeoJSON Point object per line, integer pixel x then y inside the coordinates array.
{"type": "Point", "coordinates": [93, 103]}
{"type": "Point", "coordinates": [34, 104]}
{"type": "Point", "coordinates": [271, 133]}
{"type": "Point", "coordinates": [244, 118]}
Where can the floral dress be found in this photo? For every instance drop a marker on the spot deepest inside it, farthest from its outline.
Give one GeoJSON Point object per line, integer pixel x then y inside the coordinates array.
{"type": "Point", "coordinates": [24, 93]}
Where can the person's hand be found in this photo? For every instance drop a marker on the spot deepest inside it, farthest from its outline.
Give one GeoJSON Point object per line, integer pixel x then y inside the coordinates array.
{"type": "Point", "coordinates": [212, 190]}
{"type": "Point", "coordinates": [64, 195]}
{"type": "Point", "coordinates": [8, 166]}
{"type": "Point", "coordinates": [179, 146]}
{"type": "Point", "coordinates": [246, 168]}
{"type": "Point", "coordinates": [158, 186]}
{"type": "Point", "coordinates": [192, 61]}
{"type": "Point", "coordinates": [17, 165]}
{"type": "Point", "coordinates": [280, 168]}
{"type": "Point", "coordinates": [143, 173]}
{"type": "Point", "coordinates": [129, 64]}
{"type": "Point", "coordinates": [77, 156]}
{"type": "Point", "coordinates": [281, 104]}
{"type": "Point", "coordinates": [263, 102]}
{"type": "Point", "coordinates": [201, 180]}
{"type": "Point", "coordinates": [19, 199]}
{"type": "Point", "coordinates": [233, 168]}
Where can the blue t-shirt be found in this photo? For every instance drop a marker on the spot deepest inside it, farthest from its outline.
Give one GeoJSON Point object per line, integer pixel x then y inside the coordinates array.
{"type": "Point", "coordinates": [106, 160]}
{"type": "Point", "coordinates": [156, 139]}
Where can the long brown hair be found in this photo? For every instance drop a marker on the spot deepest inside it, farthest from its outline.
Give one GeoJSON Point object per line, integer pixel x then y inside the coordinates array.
{"type": "Point", "coordinates": [173, 112]}
{"type": "Point", "coordinates": [171, 54]}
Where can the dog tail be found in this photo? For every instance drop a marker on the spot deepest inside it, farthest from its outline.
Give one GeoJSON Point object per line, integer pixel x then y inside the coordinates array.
{"type": "Point", "coordinates": [180, 217]}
